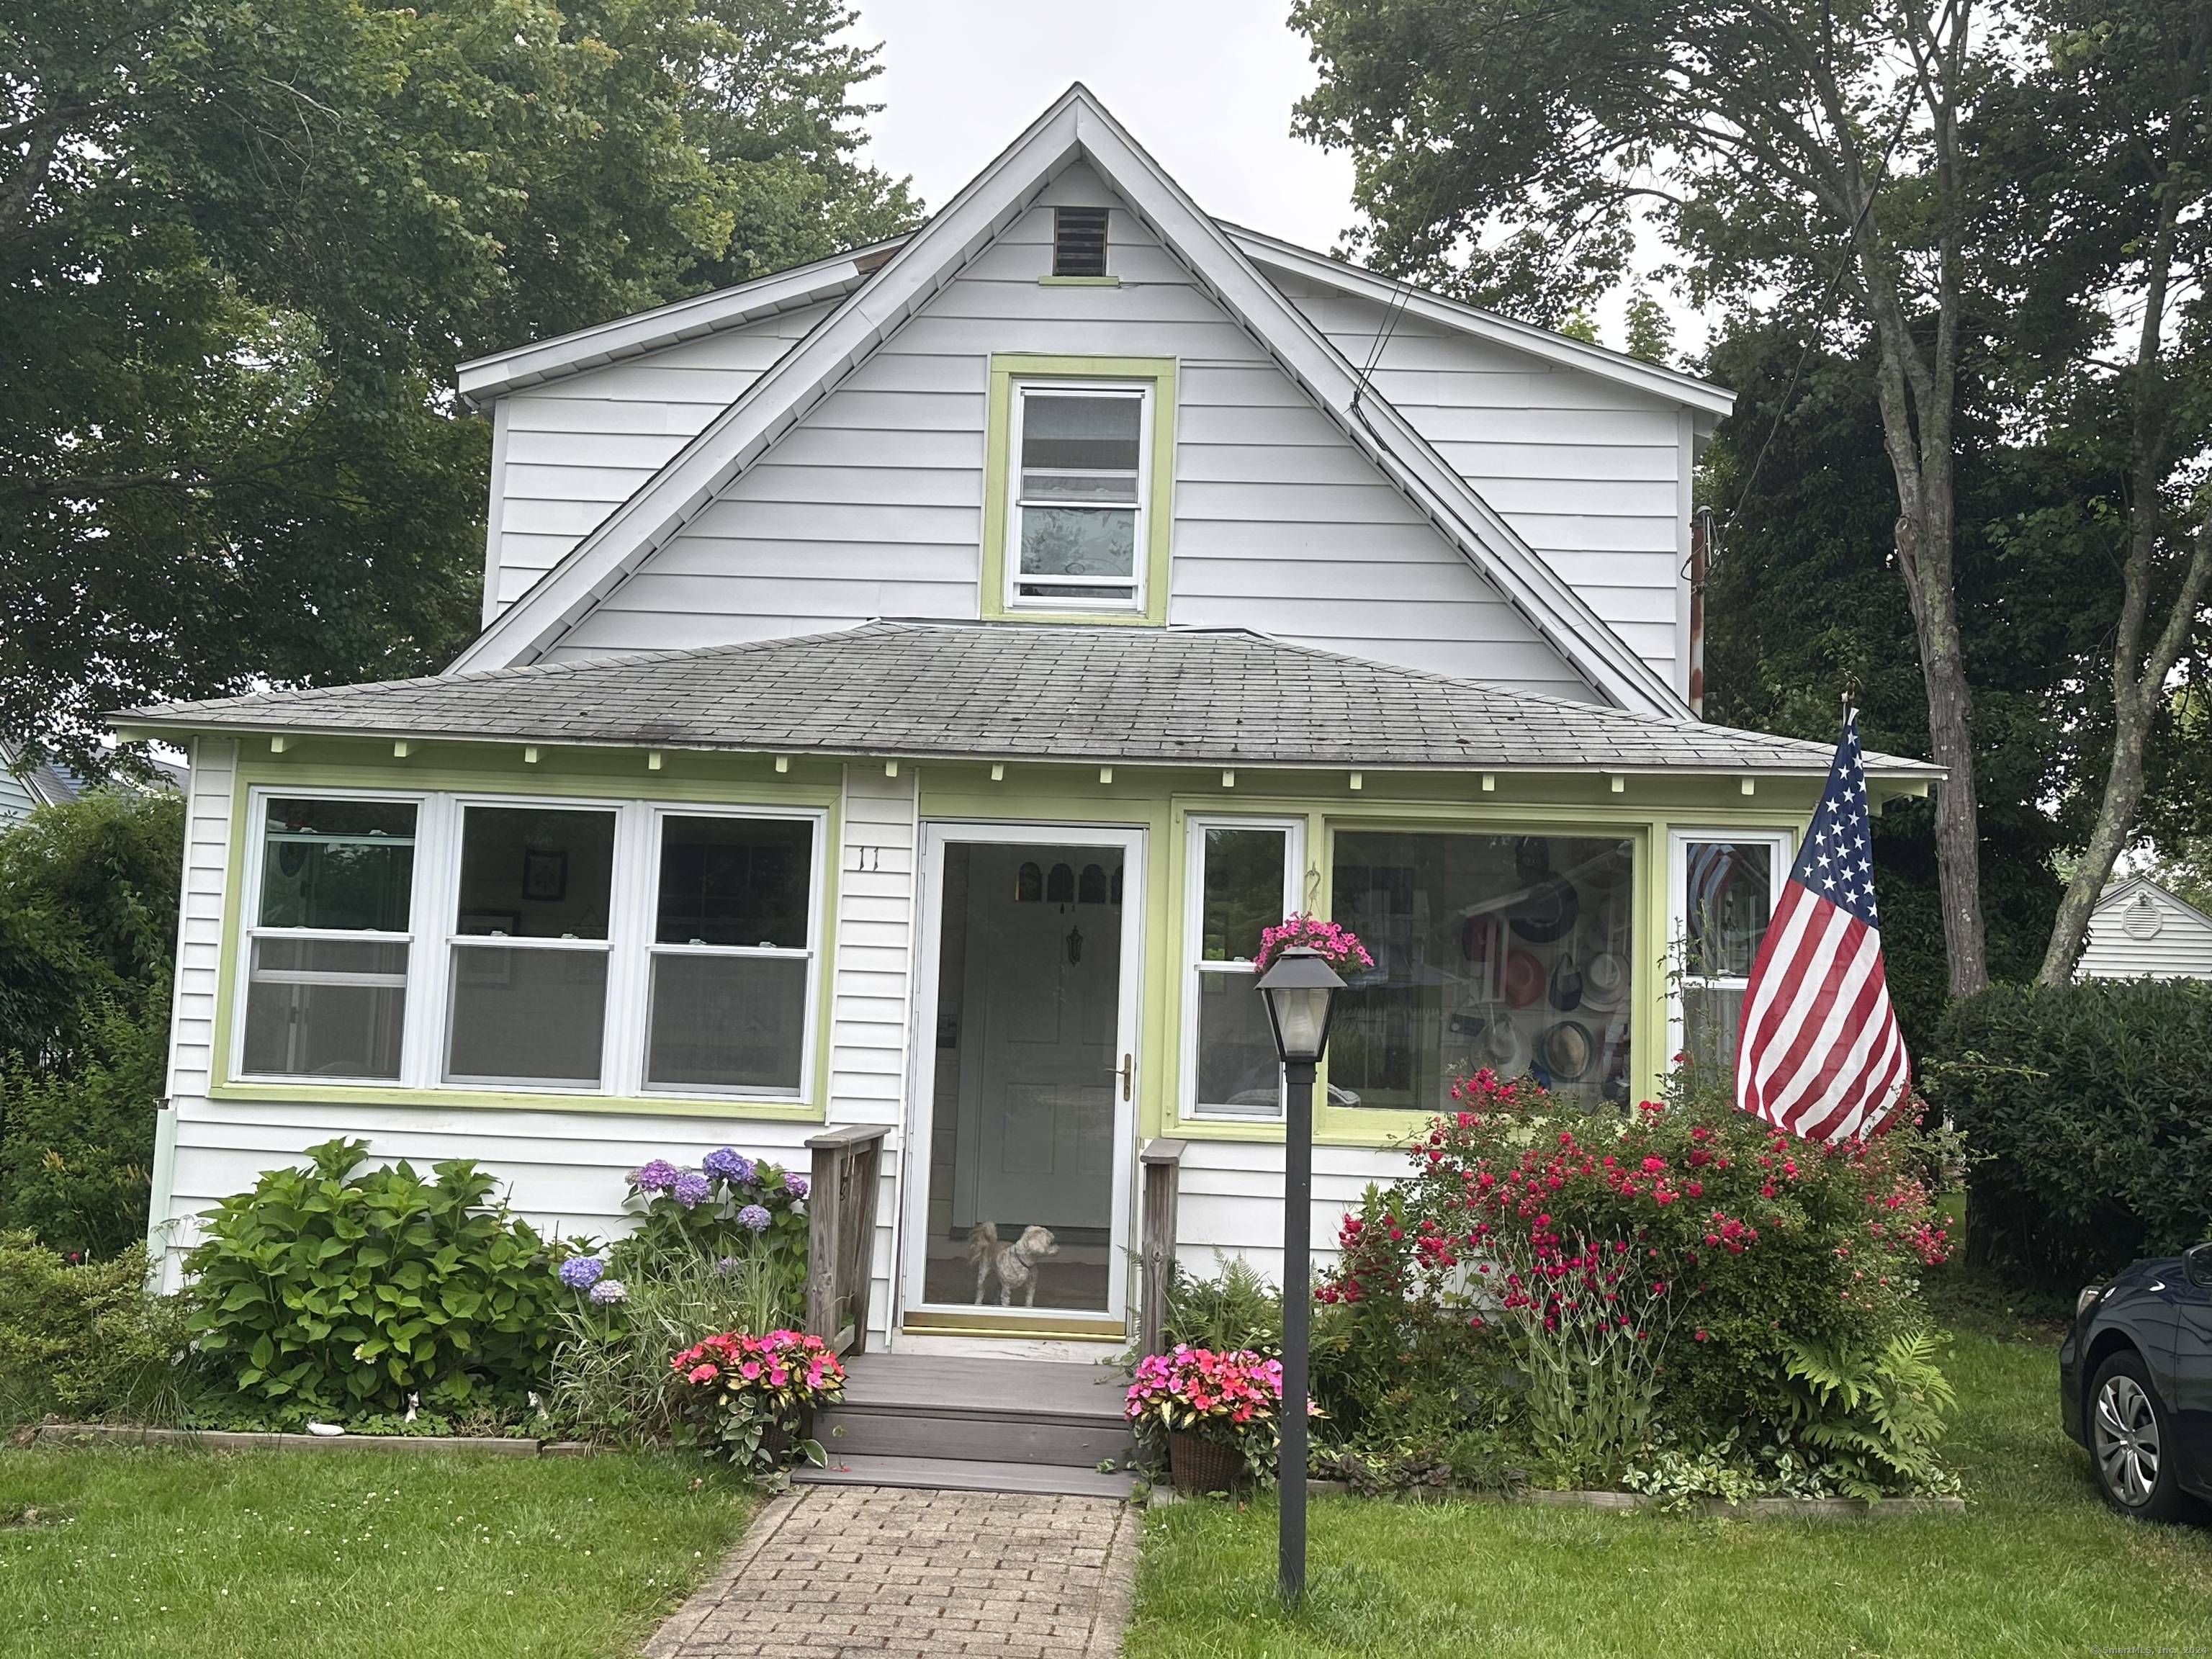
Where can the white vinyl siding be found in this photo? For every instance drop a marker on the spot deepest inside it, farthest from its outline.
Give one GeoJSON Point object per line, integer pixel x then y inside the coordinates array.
{"type": "Point", "coordinates": [1592, 474]}
{"type": "Point", "coordinates": [872, 506]}
{"type": "Point", "coordinates": [2181, 949]}
{"type": "Point", "coordinates": [567, 453]}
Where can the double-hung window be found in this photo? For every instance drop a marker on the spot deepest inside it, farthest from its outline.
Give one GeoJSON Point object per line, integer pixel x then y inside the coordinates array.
{"type": "Point", "coordinates": [328, 947]}
{"type": "Point", "coordinates": [1078, 524]}
{"type": "Point", "coordinates": [530, 947]}
{"type": "Point", "coordinates": [1241, 878]}
{"type": "Point", "coordinates": [731, 956]}
{"type": "Point", "coordinates": [1725, 885]}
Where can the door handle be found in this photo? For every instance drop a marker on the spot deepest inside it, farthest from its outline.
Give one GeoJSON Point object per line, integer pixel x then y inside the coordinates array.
{"type": "Point", "coordinates": [1123, 1072]}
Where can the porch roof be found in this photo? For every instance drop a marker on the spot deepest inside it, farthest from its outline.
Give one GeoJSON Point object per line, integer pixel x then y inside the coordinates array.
{"type": "Point", "coordinates": [1022, 691]}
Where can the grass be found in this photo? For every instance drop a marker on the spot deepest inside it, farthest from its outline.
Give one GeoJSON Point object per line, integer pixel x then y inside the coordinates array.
{"type": "Point", "coordinates": [349, 1555]}
{"type": "Point", "coordinates": [2037, 1566]}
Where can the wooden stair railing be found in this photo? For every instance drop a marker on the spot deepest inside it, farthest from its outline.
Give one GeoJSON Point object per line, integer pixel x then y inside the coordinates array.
{"type": "Point", "coordinates": [1161, 1161]}
{"type": "Point", "coordinates": [841, 1231]}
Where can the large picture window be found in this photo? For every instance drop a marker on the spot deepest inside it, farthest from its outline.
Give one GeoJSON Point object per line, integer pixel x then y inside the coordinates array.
{"type": "Point", "coordinates": [731, 954]}
{"type": "Point", "coordinates": [1509, 953]}
{"type": "Point", "coordinates": [1077, 524]}
{"type": "Point", "coordinates": [327, 952]}
{"type": "Point", "coordinates": [1241, 877]}
{"type": "Point", "coordinates": [1724, 887]}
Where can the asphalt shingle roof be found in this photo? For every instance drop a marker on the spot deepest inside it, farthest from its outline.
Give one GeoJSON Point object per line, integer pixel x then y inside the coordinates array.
{"type": "Point", "coordinates": [1003, 691]}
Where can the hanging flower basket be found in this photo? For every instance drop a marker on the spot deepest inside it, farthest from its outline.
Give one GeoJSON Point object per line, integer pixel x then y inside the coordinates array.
{"type": "Point", "coordinates": [1338, 947]}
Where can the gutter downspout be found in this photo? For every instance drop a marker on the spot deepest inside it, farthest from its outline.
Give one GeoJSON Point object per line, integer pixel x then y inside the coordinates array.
{"type": "Point", "coordinates": [1701, 530]}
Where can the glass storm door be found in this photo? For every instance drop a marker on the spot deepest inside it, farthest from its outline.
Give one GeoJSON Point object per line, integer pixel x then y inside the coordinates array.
{"type": "Point", "coordinates": [1025, 1082]}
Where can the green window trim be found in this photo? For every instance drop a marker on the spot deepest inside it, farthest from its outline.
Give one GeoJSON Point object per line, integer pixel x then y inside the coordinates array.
{"type": "Point", "coordinates": [1006, 368]}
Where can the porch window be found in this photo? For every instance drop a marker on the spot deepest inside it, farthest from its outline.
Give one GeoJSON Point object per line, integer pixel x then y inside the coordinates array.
{"type": "Point", "coordinates": [1077, 522]}
{"type": "Point", "coordinates": [1724, 890]}
{"type": "Point", "coordinates": [326, 992]}
{"type": "Point", "coordinates": [1509, 953]}
{"type": "Point", "coordinates": [1242, 877]}
{"type": "Point", "coordinates": [731, 956]}
{"type": "Point", "coordinates": [530, 947]}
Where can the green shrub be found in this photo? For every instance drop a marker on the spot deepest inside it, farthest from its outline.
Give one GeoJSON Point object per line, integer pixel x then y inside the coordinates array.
{"type": "Point", "coordinates": [1574, 1290]}
{"type": "Point", "coordinates": [85, 1338]}
{"type": "Point", "coordinates": [77, 1152]}
{"type": "Point", "coordinates": [2089, 1111]}
{"type": "Point", "coordinates": [1236, 1309]}
{"type": "Point", "coordinates": [329, 1292]}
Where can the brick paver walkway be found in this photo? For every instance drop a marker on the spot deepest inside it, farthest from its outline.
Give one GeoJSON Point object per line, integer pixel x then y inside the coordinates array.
{"type": "Point", "coordinates": [889, 1572]}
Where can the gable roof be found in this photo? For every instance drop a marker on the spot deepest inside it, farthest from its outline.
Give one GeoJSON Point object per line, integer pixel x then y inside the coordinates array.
{"type": "Point", "coordinates": [484, 378]}
{"type": "Point", "coordinates": [1025, 690]}
{"type": "Point", "coordinates": [1076, 125]}
{"type": "Point", "coordinates": [2120, 892]}
{"type": "Point", "coordinates": [1273, 252]}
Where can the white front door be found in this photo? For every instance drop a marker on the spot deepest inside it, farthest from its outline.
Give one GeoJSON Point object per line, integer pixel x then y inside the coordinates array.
{"type": "Point", "coordinates": [1025, 1090]}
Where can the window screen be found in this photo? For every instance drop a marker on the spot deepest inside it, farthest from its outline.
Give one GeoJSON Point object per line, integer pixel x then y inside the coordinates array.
{"type": "Point", "coordinates": [1077, 508]}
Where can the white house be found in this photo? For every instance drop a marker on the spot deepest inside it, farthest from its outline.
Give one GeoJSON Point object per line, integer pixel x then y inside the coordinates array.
{"type": "Point", "coordinates": [2140, 930]}
{"type": "Point", "coordinates": [907, 684]}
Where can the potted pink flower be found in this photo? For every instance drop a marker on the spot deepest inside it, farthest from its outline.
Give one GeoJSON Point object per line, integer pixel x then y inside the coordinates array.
{"type": "Point", "coordinates": [752, 1399]}
{"type": "Point", "coordinates": [1219, 1415]}
{"type": "Point", "coordinates": [1337, 944]}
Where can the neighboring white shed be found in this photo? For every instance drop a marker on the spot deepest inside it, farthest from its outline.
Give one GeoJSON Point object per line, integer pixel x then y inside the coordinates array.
{"type": "Point", "coordinates": [2140, 929]}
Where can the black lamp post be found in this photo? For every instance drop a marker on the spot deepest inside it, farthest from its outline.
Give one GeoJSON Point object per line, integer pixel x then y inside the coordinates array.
{"type": "Point", "coordinates": [1300, 991]}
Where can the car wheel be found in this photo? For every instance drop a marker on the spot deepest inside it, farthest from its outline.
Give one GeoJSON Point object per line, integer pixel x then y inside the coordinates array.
{"type": "Point", "coordinates": [2131, 1442]}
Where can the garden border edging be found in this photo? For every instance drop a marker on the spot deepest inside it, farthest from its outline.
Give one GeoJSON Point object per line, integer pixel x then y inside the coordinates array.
{"type": "Point", "coordinates": [80, 1434]}
{"type": "Point", "coordinates": [1753, 1508]}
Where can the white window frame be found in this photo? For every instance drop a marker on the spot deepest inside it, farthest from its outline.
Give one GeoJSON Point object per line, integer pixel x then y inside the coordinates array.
{"type": "Point", "coordinates": [1145, 392]}
{"type": "Point", "coordinates": [251, 931]}
{"type": "Point", "coordinates": [1194, 969]}
{"type": "Point", "coordinates": [432, 939]}
{"type": "Point", "coordinates": [1679, 840]}
{"type": "Point", "coordinates": [810, 953]}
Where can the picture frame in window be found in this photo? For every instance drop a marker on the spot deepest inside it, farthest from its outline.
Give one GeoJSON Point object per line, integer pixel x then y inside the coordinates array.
{"type": "Point", "coordinates": [544, 875]}
{"type": "Point", "coordinates": [488, 922]}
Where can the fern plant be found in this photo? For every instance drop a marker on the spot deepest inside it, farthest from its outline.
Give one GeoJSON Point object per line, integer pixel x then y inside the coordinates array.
{"type": "Point", "coordinates": [1876, 1413]}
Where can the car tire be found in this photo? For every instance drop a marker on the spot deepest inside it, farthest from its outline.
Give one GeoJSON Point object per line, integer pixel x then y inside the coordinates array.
{"type": "Point", "coordinates": [2132, 1451]}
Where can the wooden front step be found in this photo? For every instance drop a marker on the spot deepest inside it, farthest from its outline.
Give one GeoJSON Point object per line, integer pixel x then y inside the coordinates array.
{"type": "Point", "coordinates": [998, 1411]}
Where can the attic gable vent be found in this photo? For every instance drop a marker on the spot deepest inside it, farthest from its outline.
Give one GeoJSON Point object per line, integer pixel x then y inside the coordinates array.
{"type": "Point", "coordinates": [1079, 242]}
{"type": "Point", "coordinates": [2143, 919]}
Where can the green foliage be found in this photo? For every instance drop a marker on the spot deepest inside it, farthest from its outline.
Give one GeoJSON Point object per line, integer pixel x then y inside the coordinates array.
{"type": "Point", "coordinates": [87, 927]}
{"type": "Point", "coordinates": [1877, 1412]}
{"type": "Point", "coordinates": [610, 1377]}
{"type": "Point", "coordinates": [2088, 1108]}
{"type": "Point", "coordinates": [1235, 1310]}
{"type": "Point", "coordinates": [325, 1289]}
{"type": "Point", "coordinates": [86, 1341]}
{"type": "Point", "coordinates": [243, 243]}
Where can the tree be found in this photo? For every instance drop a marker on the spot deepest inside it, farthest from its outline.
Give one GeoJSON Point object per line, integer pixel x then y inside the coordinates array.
{"type": "Point", "coordinates": [242, 245]}
{"type": "Point", "coordinates": [2112, 139]}
{"type": "Point", "coordinates": [89, 894]}
{"type": "Point", "coordinates": [1504, 149]}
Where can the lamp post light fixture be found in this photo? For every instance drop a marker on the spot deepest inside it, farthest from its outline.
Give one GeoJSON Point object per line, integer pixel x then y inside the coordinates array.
{"type": "Point", "coordinates": [1300, 991]}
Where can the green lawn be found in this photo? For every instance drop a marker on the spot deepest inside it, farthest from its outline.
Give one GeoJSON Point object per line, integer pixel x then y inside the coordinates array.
{"type": "Point", "coordinates": [349, 1555]}
{"type": "Point", "coordinates": [2037, 1566]}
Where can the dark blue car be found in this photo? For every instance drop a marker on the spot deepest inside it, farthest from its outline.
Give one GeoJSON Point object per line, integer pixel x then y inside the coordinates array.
{"type": "Point", "coordinates": [2135, 1384]}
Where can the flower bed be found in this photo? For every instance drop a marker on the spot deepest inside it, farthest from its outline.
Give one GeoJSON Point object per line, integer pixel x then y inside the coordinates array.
{"type": "Point", "coordinates": [1681, 1301]}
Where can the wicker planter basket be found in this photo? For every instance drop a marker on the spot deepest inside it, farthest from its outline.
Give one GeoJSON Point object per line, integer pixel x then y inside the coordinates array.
{"type": "Point", "coordinates": [1201, 1466]}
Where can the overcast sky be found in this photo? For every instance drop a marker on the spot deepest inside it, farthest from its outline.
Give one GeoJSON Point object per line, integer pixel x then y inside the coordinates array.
{"type": "Point", "coordinates": [1206, 85]}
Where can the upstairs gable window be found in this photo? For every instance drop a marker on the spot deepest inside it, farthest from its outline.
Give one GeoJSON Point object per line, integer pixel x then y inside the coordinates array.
{"type": "Point", "coordinates": [1078, 513]}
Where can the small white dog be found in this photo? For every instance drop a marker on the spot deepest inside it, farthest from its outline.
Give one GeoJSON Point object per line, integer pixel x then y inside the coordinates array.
{"type": "Point", "coordinates": [1015, 1264]}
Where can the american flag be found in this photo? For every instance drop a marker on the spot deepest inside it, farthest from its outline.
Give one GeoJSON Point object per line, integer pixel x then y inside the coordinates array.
{"type": "Point", "coordinates": [1820, 1053]}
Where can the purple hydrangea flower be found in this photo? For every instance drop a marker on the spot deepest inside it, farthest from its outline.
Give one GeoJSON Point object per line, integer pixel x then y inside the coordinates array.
{"type": "Point", "coordinates": [728, 1264]}
{"type": "Point", "coordinates": [795, 1185]}
{"type": "Point", "coordinates": [580, 1273]}
{"type": "Point", "coordinates": [690, 1188]}
{"type": "Point", "coordinates": [754, 1216]}
{"type": "Point", "coordinates": [728, 1164]}
{"type": "Point", "coordinates": [609, 1289]}
{"type": "Point", "coordinates": [657, 1176]}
